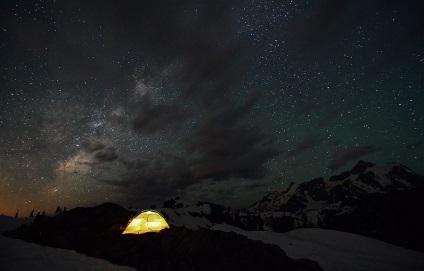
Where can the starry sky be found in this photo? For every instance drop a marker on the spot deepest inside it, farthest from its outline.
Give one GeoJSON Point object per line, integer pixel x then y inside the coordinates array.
{"type": "Point", "coordinates": [225, 101]}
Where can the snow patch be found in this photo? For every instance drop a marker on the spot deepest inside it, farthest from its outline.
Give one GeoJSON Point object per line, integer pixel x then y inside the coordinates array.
{"type": "Point", "coordinates": [184, 217]}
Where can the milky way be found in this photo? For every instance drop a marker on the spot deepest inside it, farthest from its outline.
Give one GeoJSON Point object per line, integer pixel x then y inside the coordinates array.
{"type": "Point", "coordinates": [225, 101]}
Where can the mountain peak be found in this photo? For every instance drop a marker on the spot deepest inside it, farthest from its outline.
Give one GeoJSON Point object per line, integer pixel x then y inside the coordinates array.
{"type": "Point", "coordinates": [361, 166]}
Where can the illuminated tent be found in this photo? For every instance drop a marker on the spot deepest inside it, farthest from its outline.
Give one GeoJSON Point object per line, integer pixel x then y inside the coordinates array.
{"type": "Point", "coordinates": [147, 221]}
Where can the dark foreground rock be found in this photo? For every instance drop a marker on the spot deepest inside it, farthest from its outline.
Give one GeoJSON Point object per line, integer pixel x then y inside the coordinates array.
{"type": "Point", "coordinates": [97, 232]}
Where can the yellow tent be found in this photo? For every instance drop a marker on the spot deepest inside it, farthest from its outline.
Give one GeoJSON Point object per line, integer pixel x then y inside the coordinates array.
{"type": "Point", "coordinates": [147, 221]}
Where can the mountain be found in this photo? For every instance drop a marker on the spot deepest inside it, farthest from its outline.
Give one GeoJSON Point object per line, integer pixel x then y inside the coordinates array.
{"type": "Point", "coordinates": [382, 202]}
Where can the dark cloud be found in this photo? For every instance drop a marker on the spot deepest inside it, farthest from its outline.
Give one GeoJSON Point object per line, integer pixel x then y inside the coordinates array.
{"type": "Point", "coordinates": [157, 176]}
{"type": "Point", "coordinates": [106, 156]}
{"type": "Point", "coordinates": [152, 118]}
{"type": "Point", "coordinates": [198, 37]}
{"type": "Point", "coordinates": [415, 144]}
{"type": "Point", "coordinates": [341, 156]}
{"type": "Point", "coordinates": [308, 142]}
{"type": "Point", "coordinates": [197, 43]}
{"type": "Point", "coordinates": [110, 40]}
{"type": "Point", "coordinates": [85, 163]}
{"type": "Point", "coordinates": [91, 147]}
{"type": "Point", "coordinates": [112, 45]}
{"type": "Point", "coordinates": [223, 146]}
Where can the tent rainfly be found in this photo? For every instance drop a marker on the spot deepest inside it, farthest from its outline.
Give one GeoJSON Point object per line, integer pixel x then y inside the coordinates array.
{"type": "Point", "coordinates": [146, 221]}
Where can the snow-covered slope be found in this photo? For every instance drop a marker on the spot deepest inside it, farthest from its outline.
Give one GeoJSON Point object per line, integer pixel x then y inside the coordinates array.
{"type": "Point", "coordinates": [17, 255]}
{"type": "Point", "coordinates": [189, 217]}
{"type": "Point", "coordinates": [335, 250]}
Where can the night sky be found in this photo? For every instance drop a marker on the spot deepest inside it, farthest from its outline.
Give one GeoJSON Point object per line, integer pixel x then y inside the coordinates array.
{"type": "Point", "coordinates": [224, 101]}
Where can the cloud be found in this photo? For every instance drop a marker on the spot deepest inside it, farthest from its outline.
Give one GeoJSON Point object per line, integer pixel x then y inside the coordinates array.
{"type": "Point", "coordinates": [91, 147]}
{"type": "Point", "coordinates": [223, 146]}
{"type": "Point", "coordinates": [198, 38]}
{"type": "Point", "coordinates": [152, 118]}
{"type": "Point", "coordinates": [308, 142]}
{"type": "Point", "coordinates": [154, 176]}
{"type": "Point", "coordinates": [108, 155]}
{"type": "Point", "coordinates": [341, 156]}
{"type": "Point", "coordinates": [197, 44]}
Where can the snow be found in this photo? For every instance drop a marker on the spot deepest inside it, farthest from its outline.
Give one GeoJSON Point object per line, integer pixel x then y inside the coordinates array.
{"type": "Point", "coordinates": [345, 210]}
{"type": "Point", "coordinates": [183, 217]}
{"type": "Point", "coordinates": [366, 187]}
{"type": "Point", "coordinates": [335, 250]}
{"type": "Point", "coordinates": [18, 255]}
{"type": "Point", "coordinates": [312, 204]}
{"type": "Point", "coordinates": [293, 189]}
{"type": "Point", "coordinates": [203, 208]}
{"type": "Point", "coordinates": [402, 181]}
{"type": "Point", "coordinates": [312, 216]}
{"type": "Point", "coordinates": [380, 174]}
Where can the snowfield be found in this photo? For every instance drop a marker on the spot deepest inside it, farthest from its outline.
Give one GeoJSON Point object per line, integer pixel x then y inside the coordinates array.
{"type": "Point", "coordinates": [17, 255]}
{"type": "Point", "coordinates": [335, 251]}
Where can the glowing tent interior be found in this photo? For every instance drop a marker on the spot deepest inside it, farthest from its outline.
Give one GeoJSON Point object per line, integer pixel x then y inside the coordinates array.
{"type": "Point", "coordinates": [147, 221]}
